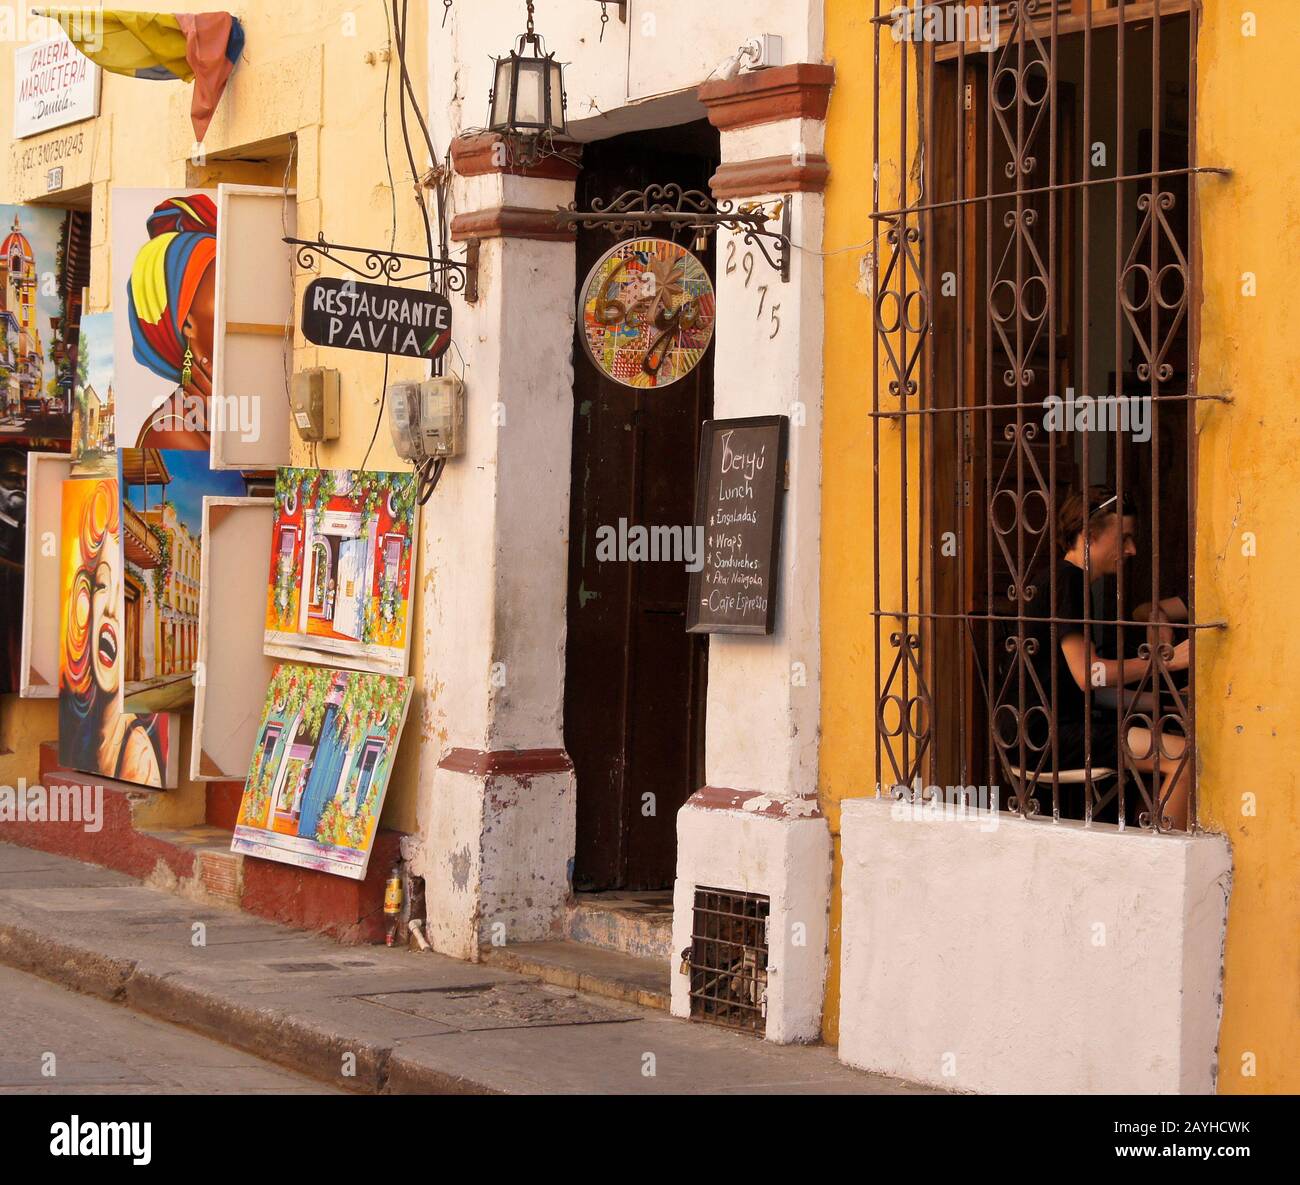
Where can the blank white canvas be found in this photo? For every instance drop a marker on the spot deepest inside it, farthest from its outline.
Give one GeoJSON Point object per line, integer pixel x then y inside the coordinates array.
{"type": "Point", "coordinates": [254, 326]}
{"type": "Point", "coordinates": [233, 673]}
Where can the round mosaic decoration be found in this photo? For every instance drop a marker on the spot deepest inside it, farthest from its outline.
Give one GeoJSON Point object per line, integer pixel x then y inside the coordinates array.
{"type": "Point", "coordinates": [647, 312]}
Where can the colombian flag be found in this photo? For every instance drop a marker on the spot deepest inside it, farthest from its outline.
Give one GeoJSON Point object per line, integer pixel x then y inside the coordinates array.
{"type": "Point", "coordinates": [190, 47]}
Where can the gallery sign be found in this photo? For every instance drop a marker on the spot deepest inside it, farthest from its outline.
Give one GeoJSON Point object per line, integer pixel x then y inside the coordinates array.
{"type": "Point", "coordinates": [376, 318]}
{"type": "Point", "coordinates": [54, 85]}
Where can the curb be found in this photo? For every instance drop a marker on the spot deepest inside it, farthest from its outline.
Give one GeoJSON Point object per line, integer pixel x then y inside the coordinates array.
{"type": "Point", "coordinates": [267, 1033]}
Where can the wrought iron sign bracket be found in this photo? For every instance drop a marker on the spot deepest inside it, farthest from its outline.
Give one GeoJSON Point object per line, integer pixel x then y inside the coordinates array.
{"type": "Point", "coordinates": [675, 209]}
{"type": "Point", "coordinates": [454, 275]}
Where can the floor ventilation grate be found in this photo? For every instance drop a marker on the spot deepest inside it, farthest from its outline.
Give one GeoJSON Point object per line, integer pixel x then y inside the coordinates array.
{"type": "Point", "coordinates": [728, 959]}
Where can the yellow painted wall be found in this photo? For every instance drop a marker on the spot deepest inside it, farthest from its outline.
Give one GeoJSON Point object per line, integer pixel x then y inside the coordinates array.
{"type": "Point", "coordinates": [24, 724]}
{"type": "Point", "coordinates": [848, 659]}
{"type": "Point", "coordinates": [1248, 723]}
{"type": "Point", "coordinates": [313, 70]}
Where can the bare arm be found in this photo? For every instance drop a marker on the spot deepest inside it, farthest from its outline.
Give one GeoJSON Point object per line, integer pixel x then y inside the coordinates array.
{"type": "Point", "coordinates": [1169, 609]}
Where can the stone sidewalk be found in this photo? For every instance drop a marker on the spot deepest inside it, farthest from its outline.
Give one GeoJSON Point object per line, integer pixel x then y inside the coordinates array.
{"type": "Point", "coordinates": [367, 1018]}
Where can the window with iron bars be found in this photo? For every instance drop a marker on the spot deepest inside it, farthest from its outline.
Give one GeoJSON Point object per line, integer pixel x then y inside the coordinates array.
{"type": "Point", "coordinates": [1035, 318]}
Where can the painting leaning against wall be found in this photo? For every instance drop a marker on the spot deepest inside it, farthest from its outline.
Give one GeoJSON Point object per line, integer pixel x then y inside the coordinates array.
{"type": "Point", "coordinates": [342, 559]}
{"type": "Point", "coordinates": [325, 748]}
{"type": "Point", "coordinates": [164, 300]}
{"type": "Point", "coordinates": [44, 268]}
{"type": "Point", "coordinates": [162, 541]}
{"type": "Point", "coordinates": [93, 400]}
{"type": "Point", "coordinates": [96, 734]}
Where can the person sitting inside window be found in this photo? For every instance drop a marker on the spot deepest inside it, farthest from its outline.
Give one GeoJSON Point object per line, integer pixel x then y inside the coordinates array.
{"type": "Point", "coordinates": [1095, 521]}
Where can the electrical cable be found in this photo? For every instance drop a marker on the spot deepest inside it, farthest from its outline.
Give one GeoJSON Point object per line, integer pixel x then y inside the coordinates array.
{"type": "Point", "coordinates": [409, 86]}
{"type": "Point", "coordinates": [388, 160]}
{"type": "Point", "coordinates": [429, 470]}
{"type": "Point", "coordinates": [429, 484]}
{"type": "Point", "coordinates": [392, 236]}
{"type": "Point", "coordinates": [437, 275]}
{"type": "Point", "coordinates": [284, 227]}
{"type": "Point", "coordinates": [440, 167]}
{"type": "Point", "coordinates": [403, 79]}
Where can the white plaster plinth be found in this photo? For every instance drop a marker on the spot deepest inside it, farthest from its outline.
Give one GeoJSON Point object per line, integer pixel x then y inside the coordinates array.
{"type": "Point", "coordinates": [788, 858]}
{"type": "Point", "coordinates": [999, 954]}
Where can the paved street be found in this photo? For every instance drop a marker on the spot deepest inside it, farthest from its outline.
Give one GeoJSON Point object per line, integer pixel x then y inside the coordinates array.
{"type": "Point", "coordinates": [104, 1048]}
{"type": "Point", "coordinates": [396, 1022]}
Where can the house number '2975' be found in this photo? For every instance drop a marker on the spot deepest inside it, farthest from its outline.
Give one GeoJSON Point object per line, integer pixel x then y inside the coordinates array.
{"type": "Point", "coordinates": [746, 265]}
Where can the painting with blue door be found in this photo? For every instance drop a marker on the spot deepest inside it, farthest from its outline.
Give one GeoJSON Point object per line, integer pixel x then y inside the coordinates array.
{"type": "Point", "coordinates": [325, 748]}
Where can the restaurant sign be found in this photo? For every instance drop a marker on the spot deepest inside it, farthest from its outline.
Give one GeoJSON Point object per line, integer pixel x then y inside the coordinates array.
{"type": "Point", "coordinates": [54, 85]}
{"type": "Point", "coordinates": [376, 318]}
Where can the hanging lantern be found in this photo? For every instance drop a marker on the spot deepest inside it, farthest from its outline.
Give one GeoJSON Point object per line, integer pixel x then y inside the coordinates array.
{"type": "Point", "coordinates": [527, 99]}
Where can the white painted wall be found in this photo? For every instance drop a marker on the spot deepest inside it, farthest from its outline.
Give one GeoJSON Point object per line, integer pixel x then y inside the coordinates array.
{"type": "Point", "coordinates": [666, 46]}
{"type": "Point", "coordinates": [790, 861]}
{"type": "Point", "coordinates": [494, 569]}
{"type": "Point", "coordinates": [764, 692]}
{"type": "Point", "coordinates": [1030, 956]}
{"type": "Point", "coordinates": [494, 584]}
{"type": "Point", "coordinates": [762, 718]}
{"type": "Point", "coordinates": [450, 858]}
{"type": "Point", "coordinates": [495, 533]}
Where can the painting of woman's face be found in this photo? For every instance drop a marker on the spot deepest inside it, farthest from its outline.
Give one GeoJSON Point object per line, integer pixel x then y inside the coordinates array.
{"type": "Point", "coordinates": [105, 640]}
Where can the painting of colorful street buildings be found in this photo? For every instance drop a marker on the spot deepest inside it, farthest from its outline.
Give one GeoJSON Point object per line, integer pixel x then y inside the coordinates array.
{"type": "Point", "coordinates": [162, 521]}
{"type": "Point", "coordinates": [321, 766]}
{"type": "Point", "coordinates": [94, 406]}
{"type": "Point", "coordinates": [44, 268]}
{"type": "Point", "coordinates": [341, 564]}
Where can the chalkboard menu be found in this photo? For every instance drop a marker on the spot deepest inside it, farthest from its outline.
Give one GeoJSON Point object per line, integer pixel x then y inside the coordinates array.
{"type": "Point", "coordinates": [738, 500]}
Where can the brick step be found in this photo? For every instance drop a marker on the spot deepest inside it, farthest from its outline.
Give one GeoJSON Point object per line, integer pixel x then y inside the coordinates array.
{"type": "Point", "coordinates": [589, 969]}
{"type": "Point", "coordinates": [629, 923]}
{"type": "Point", "coordinates": [217, 872]}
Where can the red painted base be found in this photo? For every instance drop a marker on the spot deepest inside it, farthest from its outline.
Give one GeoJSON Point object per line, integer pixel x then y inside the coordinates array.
{"type": "Point", "coordinates": [345, 910]}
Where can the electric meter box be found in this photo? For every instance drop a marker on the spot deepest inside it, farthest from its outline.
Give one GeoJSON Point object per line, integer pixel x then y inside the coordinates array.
{"type": "Point", "coordinates": [314, 401]}
{"type": "Point", "coordinates": [428, 419]}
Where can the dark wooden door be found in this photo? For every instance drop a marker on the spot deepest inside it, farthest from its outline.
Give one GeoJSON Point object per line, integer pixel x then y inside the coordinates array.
{"type": "Point", "coordinates": [634, 679]}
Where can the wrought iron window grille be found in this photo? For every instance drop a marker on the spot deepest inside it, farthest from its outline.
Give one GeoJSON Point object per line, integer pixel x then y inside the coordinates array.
{"type": "Point", "coordinates": [958, 391]}
{"type": "Point", "coordinates": [672, 208]}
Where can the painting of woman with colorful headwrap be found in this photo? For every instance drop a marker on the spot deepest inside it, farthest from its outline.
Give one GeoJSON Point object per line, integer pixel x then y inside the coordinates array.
{"type": "Point", "coordinates": [95, 735]}
{"type": "Point", "coordinates": [171, 304]}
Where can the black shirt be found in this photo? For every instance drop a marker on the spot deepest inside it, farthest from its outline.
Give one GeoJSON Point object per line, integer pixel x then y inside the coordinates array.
{"type": "Point", "coordinates": [1069, 615]}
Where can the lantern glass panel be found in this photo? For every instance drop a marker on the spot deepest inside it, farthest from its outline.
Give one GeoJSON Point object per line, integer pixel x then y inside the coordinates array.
{"type": "Point", "coordinates": [530, 101]}
{"type": "Point", "coordinates": [499, 117]}
{"type": "Point", "coordinates": [557, 96]}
